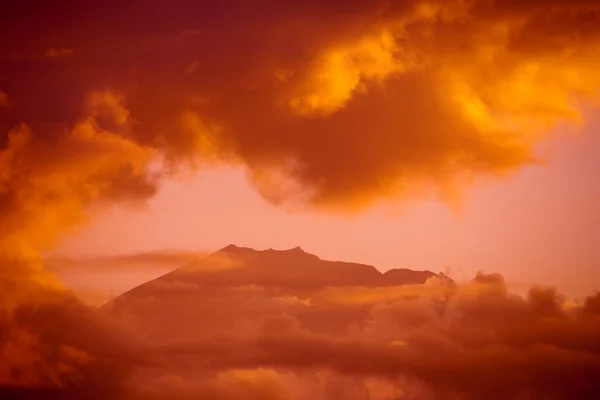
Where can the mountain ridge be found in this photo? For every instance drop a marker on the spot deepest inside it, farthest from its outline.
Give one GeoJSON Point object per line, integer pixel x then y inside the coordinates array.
{"type": "Point", "coordinates": [293, 269]}
{"type": "Point", "coordinates": [235, 286]}
{"type": "Point", "coordinates": [233, 249]}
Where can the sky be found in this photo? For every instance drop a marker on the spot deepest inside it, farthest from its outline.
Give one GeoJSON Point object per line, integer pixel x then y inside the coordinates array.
{"type": "Point", "coordinates": [537, 226]}
{"type": "Point", "coordinates": [374, 138]}
{"type": "Point", "coordinates": [457, 136]}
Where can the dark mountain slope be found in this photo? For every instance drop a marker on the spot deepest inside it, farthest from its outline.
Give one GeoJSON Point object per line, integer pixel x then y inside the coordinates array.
{"type": "Point", "coordinates": [234, 287]}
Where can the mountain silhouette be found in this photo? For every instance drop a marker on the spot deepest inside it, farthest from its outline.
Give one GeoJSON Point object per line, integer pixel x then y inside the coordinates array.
{"type": "Point", "coordinates": [237, 284]}
{"type": "Point", "coordinates": [294, 270]}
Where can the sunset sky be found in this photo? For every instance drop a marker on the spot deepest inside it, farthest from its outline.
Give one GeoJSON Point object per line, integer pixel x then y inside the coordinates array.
{"type": "Point", "coordinates": [539, 226]}
{"type": "Point", "coordinates": [318, 137]}
{"type": "Point", "coordinates": [454, 136]}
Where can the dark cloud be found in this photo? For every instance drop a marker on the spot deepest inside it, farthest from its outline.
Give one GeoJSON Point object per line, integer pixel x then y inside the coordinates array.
{"type": "Point", "coordinates": [431, 340]}
{"type": "Point", "coordinates": [350, 100]}
{"type": "Point", "coordinates": [481, 343]}
{"type": "Point", "coordinates": [54, 344]}
{"type": "Point", "coordinates": [244, 340]}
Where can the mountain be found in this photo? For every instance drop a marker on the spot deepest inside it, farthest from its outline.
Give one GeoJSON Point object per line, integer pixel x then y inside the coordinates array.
{"type": "Point", "coordinates": [237, 284]}
{"type": "Point", "coordinates": [293, 270]}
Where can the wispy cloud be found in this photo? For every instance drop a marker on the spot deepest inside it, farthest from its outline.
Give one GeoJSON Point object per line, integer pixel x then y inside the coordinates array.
{"type": "Point", "coordinates": [58, 53]}
{"type": "Point", "coordinates": [162, 259]}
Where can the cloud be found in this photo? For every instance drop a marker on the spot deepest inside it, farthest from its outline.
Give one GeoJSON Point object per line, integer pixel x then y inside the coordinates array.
{"type": "Point", "coordinates": [234, 341]}
{"type": "Point", "coordinates": [383, 100]}
{"type": "Point", "coordinates": [58, 53]}
{"type": "Point", "coordinates": [158, 259]}
{"type": "Point", "coordinates": [47, 186]}
{"type": "Point", "coordinates": [53, 341]}
{"type": "Point", "coordinates": [478, 342]}
{"type": "Point", "coordinates": [97, 279]}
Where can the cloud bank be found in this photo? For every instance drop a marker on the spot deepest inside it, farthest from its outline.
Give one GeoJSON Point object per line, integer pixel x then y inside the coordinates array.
{"type": "Point", "coordinates": [228, 333]}
{"type": "Point", "coordinates": [432, 341]}
{"type": "Point", "coordinates": [337, 104]}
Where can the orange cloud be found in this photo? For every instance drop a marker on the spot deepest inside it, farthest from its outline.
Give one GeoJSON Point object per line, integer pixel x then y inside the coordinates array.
{"type": "Point", "coordinates": [47, 186]}
{"type": "Point", "coordinates": [382, 100]}
{"type": "Point", "coordinates": [343, 71]}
